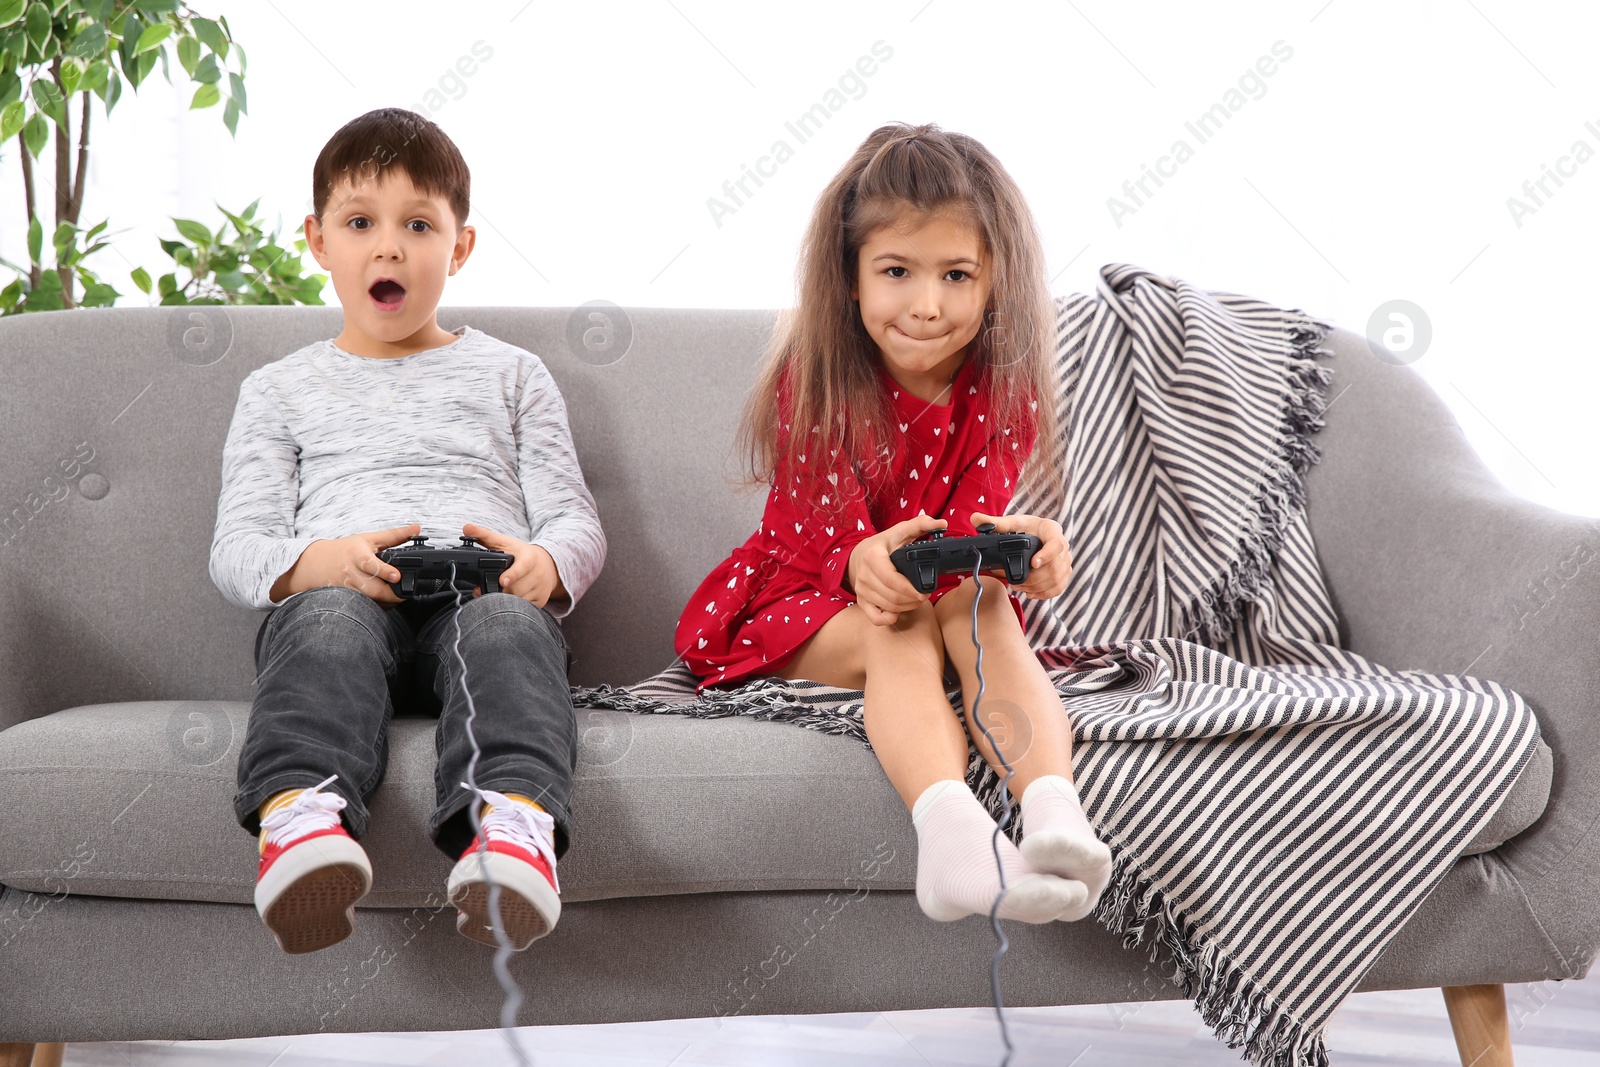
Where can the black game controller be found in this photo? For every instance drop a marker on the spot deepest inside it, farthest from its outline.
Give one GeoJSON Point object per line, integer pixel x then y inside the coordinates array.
{"type": "Point", "coordinates": [425, 569]}
{"type": "Point", "coordinates": [922, 561]}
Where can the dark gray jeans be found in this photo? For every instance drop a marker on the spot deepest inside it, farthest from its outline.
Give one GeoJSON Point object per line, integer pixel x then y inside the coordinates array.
{"type": "Point", "coordinates": [333, 666]}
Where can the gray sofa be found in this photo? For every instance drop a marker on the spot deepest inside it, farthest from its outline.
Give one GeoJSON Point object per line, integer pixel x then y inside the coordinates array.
{"type": "Point", "coordinates": [702, 847]}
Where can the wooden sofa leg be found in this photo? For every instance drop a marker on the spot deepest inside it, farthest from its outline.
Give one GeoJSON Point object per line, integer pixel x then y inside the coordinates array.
{"type": "Point", "coordinates": [1478, 1018]}
{"type": "Point", "coordinates": [44, 1054]}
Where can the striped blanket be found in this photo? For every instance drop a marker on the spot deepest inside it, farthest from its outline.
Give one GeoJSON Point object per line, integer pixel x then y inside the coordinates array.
{"type": "Point", "coordinates": [1277, 807]}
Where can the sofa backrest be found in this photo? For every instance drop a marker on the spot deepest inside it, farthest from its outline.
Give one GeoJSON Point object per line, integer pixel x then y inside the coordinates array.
{"type": "Point", "coordinates": [114, 425]}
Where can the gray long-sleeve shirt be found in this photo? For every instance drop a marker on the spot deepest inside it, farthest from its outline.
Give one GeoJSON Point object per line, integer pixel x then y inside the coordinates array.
{"type": "Point", "coordinates": [325, 444]}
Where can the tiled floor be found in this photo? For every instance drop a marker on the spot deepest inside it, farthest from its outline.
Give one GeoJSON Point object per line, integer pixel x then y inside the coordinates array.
{"type": "Point", "coordinates": [1554, 1024]}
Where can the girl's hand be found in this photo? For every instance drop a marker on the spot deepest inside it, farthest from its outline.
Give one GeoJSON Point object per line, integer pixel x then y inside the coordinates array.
{"type": "Point", "coordinates": [1051, 565]}
{"type": "Point", "coordinates": [532, 574]}
{"type": "Point", "coordinates": [882, 591]}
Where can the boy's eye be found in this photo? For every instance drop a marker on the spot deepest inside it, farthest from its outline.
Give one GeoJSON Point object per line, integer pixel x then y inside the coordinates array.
{"type": "Point", "coordinates": [357, 219]}
{"type": "Point", "coordinates": [420, 222]}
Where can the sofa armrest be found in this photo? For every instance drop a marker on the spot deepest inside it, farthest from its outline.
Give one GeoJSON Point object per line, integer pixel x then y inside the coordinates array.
{"type": "Point", "coordinates": [1432, 564]}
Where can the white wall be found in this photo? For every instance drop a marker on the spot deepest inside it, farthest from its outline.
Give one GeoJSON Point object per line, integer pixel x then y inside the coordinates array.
{"type": "Point", "coordinates": [1374, 164]}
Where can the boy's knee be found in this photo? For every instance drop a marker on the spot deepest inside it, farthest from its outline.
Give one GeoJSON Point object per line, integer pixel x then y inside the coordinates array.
{"type": "Point", "coordinates": [336, 612]}
{"type": "Point", "coordinates": [340, 598]}
{"type": "Point", "coordinates": [524, 616]}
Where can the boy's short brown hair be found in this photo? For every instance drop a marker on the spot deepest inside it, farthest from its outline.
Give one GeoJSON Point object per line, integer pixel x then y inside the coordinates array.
{"type": "Point", "coordinates": [366, 147]}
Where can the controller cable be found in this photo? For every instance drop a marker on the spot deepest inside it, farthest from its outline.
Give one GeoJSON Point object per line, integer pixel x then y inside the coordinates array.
{"type": "Point", "coordinates": [502, 972]}
{"type": "Point", "coordinates": [1005, 819]}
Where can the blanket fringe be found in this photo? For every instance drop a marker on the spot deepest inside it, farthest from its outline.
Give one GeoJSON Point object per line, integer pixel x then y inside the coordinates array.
{"type": "Point", "coordinates": [1215, 612]}
{"type": "Point", "coordinates": [1241, 1012]}
{"type": "Point", "coordinates": [762, 698]}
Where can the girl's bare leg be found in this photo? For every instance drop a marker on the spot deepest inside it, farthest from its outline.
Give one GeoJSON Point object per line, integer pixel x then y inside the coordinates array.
{"type": "Point", "coordinates": [1023, 712]}
{"type": "Point", "coordinates": [923, 750]}
{"type": "Point", "coordinates": [900, 668]}
{"type": "Point", "coordinates": [1020, 706]}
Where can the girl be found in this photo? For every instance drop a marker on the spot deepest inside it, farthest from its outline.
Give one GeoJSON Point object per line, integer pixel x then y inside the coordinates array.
{"type": "Point", "coordinates": [900, 397]}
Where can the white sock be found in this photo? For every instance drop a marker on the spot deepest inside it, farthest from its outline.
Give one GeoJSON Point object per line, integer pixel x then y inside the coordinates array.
{"type": "Point", "coordinates": [956, 873]}
{"type": "Point", "coordinates": [1057, 837]}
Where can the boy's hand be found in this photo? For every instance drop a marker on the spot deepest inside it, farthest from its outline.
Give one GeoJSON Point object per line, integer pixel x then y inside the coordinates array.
{"type": "Point", "coordinates": [1051, 565]}
{"type": "Point", "coordinates": [881, 590]}
{"type": "Point", "coordinates": [532, 574]}
{"type": "Point", "coordinates": [353, 561]}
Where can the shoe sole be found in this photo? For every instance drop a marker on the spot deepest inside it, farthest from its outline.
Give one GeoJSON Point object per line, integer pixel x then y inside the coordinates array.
{"type": "Point", "coordinates": [316, 906]}
{"type": "Point", "coordinates": [529, 906]}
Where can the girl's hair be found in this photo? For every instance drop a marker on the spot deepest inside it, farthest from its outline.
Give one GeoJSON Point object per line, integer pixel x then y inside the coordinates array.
{"type": "Point", "coordinates": [821, 355]}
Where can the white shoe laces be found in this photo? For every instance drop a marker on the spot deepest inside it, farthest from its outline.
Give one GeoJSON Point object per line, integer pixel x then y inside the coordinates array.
{"type": "Point", "coordinates": [309, 811]}
{"type": "Point", "coordinates": [521, 824]}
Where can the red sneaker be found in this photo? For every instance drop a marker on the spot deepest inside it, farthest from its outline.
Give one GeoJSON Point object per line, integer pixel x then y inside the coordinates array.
{"type": "Point", "coordinates": [312, 872]}
{"type": "Point", "coordinates": [521, 860]}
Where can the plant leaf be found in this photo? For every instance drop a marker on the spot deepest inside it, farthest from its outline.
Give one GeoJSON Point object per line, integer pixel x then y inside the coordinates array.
{"type": "Point", "coordinates": [90, 42]}
{"type": "Point", "coordinates": [141, 278]}
{"type": "Point", "coordinates": [194, 231]}
{"type": "Point", "coordinates": [35, 133]}
{"type": "Point", "coordinates": [11, 119]}
{"type": "Point", "coordinates": [211, 34]}
{"type": "Point", "coordinates": [98, 295]}
{"type": "Point", "coordinates": [152, 37]}
{"type": "Point", "coordinates": [205, 96]}
{"type": "Point", "coordinates": [11, 11]}
{"type": "Point", "coordinates": [35, 238]}
{"type": "Point", "coordinates": [188, 54]}
{"type": "Point", "coordinates": [38, 24]}
{"type": "Point", "coordinates": [72, 74]}
{"type": "Point", "coordinates": [207, 70]}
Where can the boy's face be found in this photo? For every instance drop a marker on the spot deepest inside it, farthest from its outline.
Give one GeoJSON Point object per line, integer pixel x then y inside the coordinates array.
{"type": "Point", "coordinates": [388, 249]}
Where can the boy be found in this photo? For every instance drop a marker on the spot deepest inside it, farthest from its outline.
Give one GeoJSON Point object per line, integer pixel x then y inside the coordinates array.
{"type": "Point", "coordinates": [334, 450]}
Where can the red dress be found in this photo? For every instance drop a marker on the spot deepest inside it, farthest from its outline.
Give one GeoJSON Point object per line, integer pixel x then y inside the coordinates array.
{"type": "Point", "coordinates": [756, 608]}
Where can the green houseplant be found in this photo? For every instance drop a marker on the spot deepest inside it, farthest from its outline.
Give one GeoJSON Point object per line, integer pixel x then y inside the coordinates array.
{"type": "Point", "coordinates": [60, 53]}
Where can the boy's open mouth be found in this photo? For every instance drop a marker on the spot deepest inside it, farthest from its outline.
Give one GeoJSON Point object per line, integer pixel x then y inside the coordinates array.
{"type": "Point", "coordinates": [387, 294]}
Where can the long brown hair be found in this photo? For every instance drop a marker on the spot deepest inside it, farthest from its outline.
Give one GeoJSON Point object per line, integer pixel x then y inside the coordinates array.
{"type": "Point", "coordinates": [823, 357]}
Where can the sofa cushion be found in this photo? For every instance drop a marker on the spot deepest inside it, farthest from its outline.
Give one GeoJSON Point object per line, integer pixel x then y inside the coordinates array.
{"type": "Point", "coordinates": [136, 800]}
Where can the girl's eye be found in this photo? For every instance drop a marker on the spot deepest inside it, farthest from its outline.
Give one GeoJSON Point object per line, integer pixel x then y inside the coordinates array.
{"type": "Point", "coordinates": [890, 271]}
{"type": "Point", "coordinates": [950, 272]}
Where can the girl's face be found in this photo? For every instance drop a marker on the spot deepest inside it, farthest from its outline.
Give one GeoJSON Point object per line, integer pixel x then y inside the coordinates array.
{"type": "Point", "coordinates": [922, 292]}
